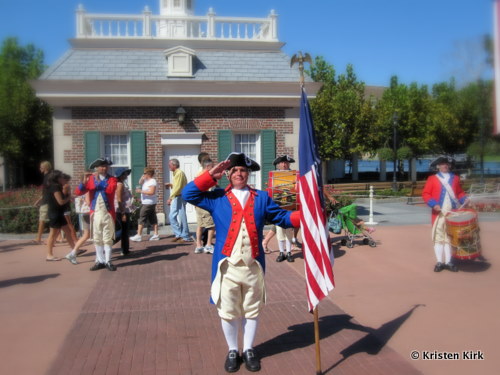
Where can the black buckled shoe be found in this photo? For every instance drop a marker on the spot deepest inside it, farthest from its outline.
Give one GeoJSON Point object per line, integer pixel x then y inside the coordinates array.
{"type": "Point", "coordinates": [289, 257]}
{"type": "Point", "coordinates": [97, 266]}
{"type": "Point", "coordinates": [451, 267]}
{"type": "Point", "coordinates": [281, 257]}
{"type": "Point", "coordinates": [110, 266]}
{"type": "Point", "coordinates": [233, 361]}
{"type": "Point", "coordinates": [252, 362]}
{"type": "Point", "coordinates": [438, 267]}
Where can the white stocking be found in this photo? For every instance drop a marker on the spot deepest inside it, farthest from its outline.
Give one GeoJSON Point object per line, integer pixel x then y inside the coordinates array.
{"type": "Point", "coordinates": [281, 245]}
{"type": "Point", "coordinates": [230, 329]}
{"type": "Point", "coordinates": [288, 246]}
{"type": "Point", "coordinates": [249, 331]}
{"type": "Point", "coordinates": [99, 254]}
{"type": "Point", "coordinates": [107, 253]}
{"type": "Point", "coordinates": [447, 253]}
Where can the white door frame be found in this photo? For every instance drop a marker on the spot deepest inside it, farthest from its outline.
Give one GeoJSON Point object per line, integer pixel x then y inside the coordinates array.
{"type": "Point", "coordinates": [173, 144]}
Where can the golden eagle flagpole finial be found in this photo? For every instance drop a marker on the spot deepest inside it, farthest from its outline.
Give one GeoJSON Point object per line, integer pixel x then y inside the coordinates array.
{"type": "Point", "coordinates": [301, 59]}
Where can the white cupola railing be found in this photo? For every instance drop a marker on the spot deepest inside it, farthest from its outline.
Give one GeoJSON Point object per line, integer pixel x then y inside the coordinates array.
{"type": "Point", "coordinates": [149, 26]}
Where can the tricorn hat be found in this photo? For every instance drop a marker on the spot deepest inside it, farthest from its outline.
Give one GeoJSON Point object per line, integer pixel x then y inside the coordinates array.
{"type": "Point", "coordinates": [442, 159]}
{"type": "Point", "coordinates": [122, 171]}
{"type": "Point", "coordinates": [286, 158]}
{"type": "Point", "coordinates": [241, 160]}
{"type": "Point", "coordinates": [99, 162]}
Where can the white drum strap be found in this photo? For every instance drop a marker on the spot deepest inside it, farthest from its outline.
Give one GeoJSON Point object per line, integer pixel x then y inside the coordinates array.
{"type": "Point", "coordinates": [449, 190]}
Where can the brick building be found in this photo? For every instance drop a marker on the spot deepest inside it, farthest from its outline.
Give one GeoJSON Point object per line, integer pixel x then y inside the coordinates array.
{"type": "Point", "coordinates": [142, 89]}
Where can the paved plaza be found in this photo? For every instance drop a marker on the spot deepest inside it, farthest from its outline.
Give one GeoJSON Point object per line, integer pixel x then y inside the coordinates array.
{"type": "Point", "coordinates": [152, 316]}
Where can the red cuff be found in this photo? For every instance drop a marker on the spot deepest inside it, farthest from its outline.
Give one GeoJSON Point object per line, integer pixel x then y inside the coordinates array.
{"type": "Point", "coordinates": [295, 218]}
{"type": "Point", "coordinates": [205, 181]}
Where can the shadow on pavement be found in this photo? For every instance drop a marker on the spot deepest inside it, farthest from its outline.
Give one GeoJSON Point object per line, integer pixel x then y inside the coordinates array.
{"type": "Point", "coordinates": [301, 335]}
{"type": "Point", "coordinates": [472, 265]}
{"type": "Point", "coordinates": [151, 259]}
{"type": "Point", "coordinates": [375, 340]}
{"type": "Point", "coordinates": [13, 246]}
{"type": "Point", "coordinates": [27, 280]}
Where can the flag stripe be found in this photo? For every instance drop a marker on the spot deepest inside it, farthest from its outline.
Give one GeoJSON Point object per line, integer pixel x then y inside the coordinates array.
{"type": "Point", "coordinates": [496, 63]}
{"type": "Point", "coordinates": [315, 236]}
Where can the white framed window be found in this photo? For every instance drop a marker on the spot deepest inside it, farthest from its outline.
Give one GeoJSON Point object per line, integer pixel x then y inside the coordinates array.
{"type": "Point", "coordinates": [117, 148]}
{"type": "Point", "coordinates": [249, 144]}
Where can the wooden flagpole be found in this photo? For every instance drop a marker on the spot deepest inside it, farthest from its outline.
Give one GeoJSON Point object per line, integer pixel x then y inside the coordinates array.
{"type": "Point", "coordinates": [316, 339]}
{"type": "Point", "coordinates": [301, 59]}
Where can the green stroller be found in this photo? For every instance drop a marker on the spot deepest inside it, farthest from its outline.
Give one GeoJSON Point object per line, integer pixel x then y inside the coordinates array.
{"type": "Point", "coordinates": [352, 229]}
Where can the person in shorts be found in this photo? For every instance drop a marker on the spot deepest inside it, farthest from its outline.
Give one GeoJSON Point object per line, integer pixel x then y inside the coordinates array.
{"type": "Point", "coordinates": [57, 222]}
{"type": "Point", "coordinates": [149, 199]}
{"type": "Point", "coordinates": [45, 169]}
{"type": "Point", "coordinates": [204, 219]}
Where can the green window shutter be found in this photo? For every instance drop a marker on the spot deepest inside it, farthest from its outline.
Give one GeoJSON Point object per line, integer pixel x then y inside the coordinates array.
{"type": "Point", "coordinates": [224, 149]}
{"type": "Point", "coordinates": [268, 154]}
{"type": "Point", "coordinates": [138, 154]}
{"type": "Point", "coordinates": [92, 147]}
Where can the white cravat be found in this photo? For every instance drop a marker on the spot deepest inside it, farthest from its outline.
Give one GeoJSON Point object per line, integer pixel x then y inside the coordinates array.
{"type": "Point", "coordinates": [242, 195]}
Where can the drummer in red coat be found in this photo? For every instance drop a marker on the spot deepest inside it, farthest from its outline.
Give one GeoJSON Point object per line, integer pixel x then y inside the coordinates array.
{"type": "Point", "coordinates": [442, 192]}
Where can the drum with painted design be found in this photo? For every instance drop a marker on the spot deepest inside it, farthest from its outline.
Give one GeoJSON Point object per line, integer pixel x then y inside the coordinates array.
{"type": "Point", "coordinates": [463, 230]}
{"type": "Point", "coordinates": [283, 189]}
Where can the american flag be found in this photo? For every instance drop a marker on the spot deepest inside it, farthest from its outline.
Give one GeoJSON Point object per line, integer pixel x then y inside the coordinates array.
{"type": "Point", "coordinates": [496, 60]}
{"type": "Point", "coordinates": [315, 236]}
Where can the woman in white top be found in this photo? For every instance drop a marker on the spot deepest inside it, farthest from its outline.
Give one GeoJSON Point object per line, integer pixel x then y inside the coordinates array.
{"type": "Point", "coordinates": [149, 199]}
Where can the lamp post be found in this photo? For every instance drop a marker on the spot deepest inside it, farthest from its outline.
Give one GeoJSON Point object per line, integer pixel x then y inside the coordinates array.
{"type": "Point", "coordinates": [395, 118]}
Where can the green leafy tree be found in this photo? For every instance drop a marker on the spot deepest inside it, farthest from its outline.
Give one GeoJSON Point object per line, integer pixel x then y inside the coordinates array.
{"type": "Point", "coordinates": [25, 121]}
{"type": "Point", "coordinates": [341, 114]}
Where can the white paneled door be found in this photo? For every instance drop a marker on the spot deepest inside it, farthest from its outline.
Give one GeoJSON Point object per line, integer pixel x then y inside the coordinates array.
{"type": "Point", "coordinates": [188, 159]}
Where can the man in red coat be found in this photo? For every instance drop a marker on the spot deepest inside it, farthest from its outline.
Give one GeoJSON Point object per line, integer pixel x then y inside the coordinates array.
{"type": "Point", "coordinates": [442, 192]}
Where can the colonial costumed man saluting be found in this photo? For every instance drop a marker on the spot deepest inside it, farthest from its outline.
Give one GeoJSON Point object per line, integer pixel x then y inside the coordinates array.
{"type": "Point", "coordinates": [101, 187]}
{"type": "Point", "coordinates": [442, 192]}
{"type": "Point", "coordinates": [239, 213]}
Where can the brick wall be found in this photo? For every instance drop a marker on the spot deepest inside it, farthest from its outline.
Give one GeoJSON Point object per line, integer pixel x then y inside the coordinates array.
{"type": "Point", "coordinates": [154, 120]}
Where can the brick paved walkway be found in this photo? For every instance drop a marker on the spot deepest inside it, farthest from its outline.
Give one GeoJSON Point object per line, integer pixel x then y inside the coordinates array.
{"type": "Point", "coordinates": [152, 316]}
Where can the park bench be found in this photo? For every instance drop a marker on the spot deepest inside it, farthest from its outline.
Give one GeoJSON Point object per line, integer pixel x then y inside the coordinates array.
{"type": "Point", "coordinates": [415, 194]}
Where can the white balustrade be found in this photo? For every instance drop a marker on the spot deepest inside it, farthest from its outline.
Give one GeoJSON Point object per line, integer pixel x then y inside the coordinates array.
{"type": "Point", "coordinates": [118, 26]}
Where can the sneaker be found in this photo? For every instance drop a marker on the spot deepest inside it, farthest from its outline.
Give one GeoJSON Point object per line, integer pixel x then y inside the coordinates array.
{"type": "Point", "coordinates": [185, 240]}
{"type": "Point", "coordinates": [154, 237]}
{"type": "Point", "coordinates": [97, 266]}
{"type": "Point", "coordinates": [208, 249]}
{"type": "Point", "coordinates": [136, 238]}
{"type": "Point", "coordinates": [198, 250]}
{"type": "Point", "coordinates": [71, 258]}
{"type": "Point", "coordinates": [125, 253]}
{"type": "Point", "coordinates": [110, 266]}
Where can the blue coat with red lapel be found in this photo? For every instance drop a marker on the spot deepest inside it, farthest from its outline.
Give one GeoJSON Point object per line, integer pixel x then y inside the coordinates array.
{"type": "Point", "coordinates": [228, 214]}
{"type": "Point", "coordinates": [434, 192]}
{"type": "Point", "coordinates": [95, 186]}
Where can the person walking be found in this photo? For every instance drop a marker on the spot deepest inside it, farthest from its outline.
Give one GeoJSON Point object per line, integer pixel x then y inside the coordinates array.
{"type": "Point", "coordinates": [442, 192]}
{"type": "Point", "coordinates": [42, 202]}
{"type": "Point", "coordinates": [56, 206]}
{"type": "Point", "coordinates": [123, 203]}
{"type": "Point", "coordinates": [149, 199]}
{"type": "Point", "coordinates": [204, 220]}
{"type": "Point", "coordinates": [177, 215]}
{"type": "Point", "coordinates": [239, 213]}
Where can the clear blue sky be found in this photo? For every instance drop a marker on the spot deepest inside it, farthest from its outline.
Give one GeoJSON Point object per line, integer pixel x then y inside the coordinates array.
{"type": "Point", "coordinates": [426, 41]}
